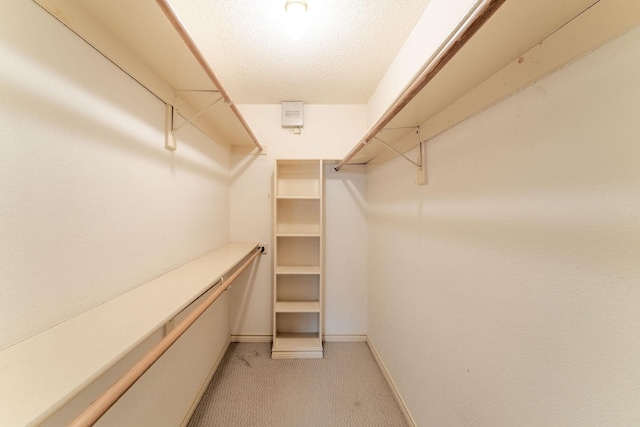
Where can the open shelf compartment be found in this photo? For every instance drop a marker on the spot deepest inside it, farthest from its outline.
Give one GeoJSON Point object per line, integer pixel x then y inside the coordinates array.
{"type": "Point", "coordinates": [298, 251]}
{"type": "Point", "coordinates": [298, 178]}
{"type": "Point", "coordinates": [297, 336]}
{"type": "Point", "coordinates": [298, 217]}
{"type": "Point", "coordinates": [297, 287]}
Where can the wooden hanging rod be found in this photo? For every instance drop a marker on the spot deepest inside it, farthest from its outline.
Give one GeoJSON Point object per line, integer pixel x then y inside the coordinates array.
{"type": "Point", "coordinates": [179, 27]}
{"type": "Point", "coordinates": [464, 30]}
{"type": "Point", "coordinates": [102, 404]}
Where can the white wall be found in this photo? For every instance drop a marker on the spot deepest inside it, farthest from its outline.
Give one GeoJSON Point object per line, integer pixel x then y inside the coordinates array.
{"type": "Point", "coordinates": [346, 241]}
{"type": "Point", "coordinates": [329, 132]}
{"type": "Point", "coordinates": [92, 203]}
{"type": "Point", "coordinates": [505, 292]}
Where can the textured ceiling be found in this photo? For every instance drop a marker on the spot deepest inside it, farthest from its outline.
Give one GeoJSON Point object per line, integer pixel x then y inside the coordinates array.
{"type": "Point", "coordinates": [345, 51]}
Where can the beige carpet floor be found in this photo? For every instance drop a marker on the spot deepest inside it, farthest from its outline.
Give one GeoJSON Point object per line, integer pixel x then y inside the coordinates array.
{"type": "Point", "coordinates": [345, 388]}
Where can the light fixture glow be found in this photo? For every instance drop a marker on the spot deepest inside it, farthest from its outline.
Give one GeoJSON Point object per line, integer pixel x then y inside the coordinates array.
{"type": "Point", "coordinates": [296, 18]}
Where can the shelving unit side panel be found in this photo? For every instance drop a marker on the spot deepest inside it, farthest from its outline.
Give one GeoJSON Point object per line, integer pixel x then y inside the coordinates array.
{"type": "Point", "coordinates": [321, 247]}
{"type": "Point", "coordinates": [274, 246]}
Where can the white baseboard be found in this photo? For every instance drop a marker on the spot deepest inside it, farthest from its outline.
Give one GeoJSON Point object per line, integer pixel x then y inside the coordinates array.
{"type": "Point", "coordinates": [394, 389]}
{"type": "Point", "coordinates": [345, 338]}
{"type": "Point", "coordinates": [251, 338]}
{"type": "Point", "coordinates": [326, 338]}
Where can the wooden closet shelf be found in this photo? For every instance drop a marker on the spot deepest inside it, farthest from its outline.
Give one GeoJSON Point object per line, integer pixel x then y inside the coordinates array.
{"type": "Point", "coordinates": [64, 359]}
{"type": "Point", "coordinates": [297, 307]}
{"type": "Point", "coordinates": [298, 269]}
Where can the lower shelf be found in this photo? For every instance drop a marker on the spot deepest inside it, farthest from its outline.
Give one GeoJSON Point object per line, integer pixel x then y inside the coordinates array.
{"type": "Point", "coordinates": [295, 346]}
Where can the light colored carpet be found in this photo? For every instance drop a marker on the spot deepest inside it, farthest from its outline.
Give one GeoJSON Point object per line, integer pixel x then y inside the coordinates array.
{"type": "Point", "coordinates": [346, 388]}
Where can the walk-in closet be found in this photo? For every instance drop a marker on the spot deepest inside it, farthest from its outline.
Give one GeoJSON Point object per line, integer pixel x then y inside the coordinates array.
{"type": "Point", "coordinates": [319, 213]}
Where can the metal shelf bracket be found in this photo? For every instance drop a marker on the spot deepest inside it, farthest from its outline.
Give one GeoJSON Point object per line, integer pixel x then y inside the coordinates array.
{"type": "Point", "coordinates": [420, 164]}
{"type": "Point", "coordinates": [171, 128]}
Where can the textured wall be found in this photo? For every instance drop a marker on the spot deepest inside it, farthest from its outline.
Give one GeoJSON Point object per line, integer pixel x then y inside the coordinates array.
{"type": "Point", "coordinates": [505, 292]}
{"type": "Point", "coordinates": [92, 203]}
{"type": "Point", "coordinates": [346, 252]}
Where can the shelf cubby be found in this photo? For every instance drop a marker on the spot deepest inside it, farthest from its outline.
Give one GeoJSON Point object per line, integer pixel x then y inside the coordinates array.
{"type": "Point", "coordinates": [298, 178]}
{"type": "Point", "coordinates": [298, 217]}
{"type": "Point", "coordinates": [298, 287]}
{"type": "Point", "coordinates": [298, 251]}
{"type": "Point", "coordinates": [297, 323]}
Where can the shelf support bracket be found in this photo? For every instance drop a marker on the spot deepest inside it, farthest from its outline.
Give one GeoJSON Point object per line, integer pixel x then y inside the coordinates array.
{"type": "Point", "coordinates": [170, 127]}
{"type": "Point", "coordinates": [195, 116]}
{"type": "Point", "coordinates": [422, 170]}
{"type": "Point", "coordinates": [421, 178]}
{"type": "Point", "coordinates": [169, 139]}
{"type": "Point", "coordinates": [390, 147]}
{"type": "Point", "coordinates": [420, 164]}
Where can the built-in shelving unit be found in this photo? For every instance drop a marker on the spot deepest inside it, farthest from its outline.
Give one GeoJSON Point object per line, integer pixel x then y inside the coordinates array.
{"type": "Point", "coordinates": [297, 282]}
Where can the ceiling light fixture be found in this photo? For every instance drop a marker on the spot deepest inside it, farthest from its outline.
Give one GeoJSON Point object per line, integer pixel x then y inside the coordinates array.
{"type": "Point", "coordinates": [296, 18]}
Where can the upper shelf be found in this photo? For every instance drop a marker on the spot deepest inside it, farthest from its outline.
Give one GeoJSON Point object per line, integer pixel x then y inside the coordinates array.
{"type": "Point", "coordinates": [522, 41]}
{"type": "Point", "coordinates": [146, 40]}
